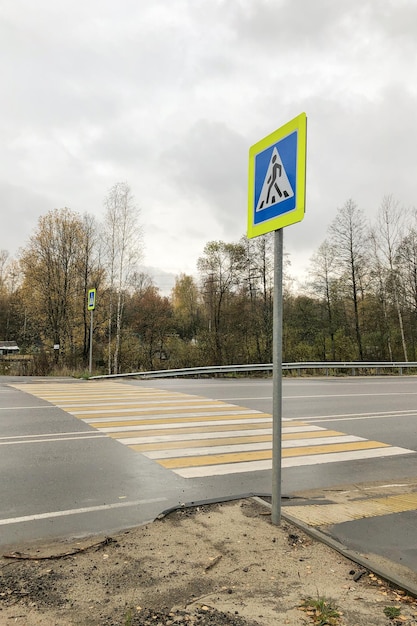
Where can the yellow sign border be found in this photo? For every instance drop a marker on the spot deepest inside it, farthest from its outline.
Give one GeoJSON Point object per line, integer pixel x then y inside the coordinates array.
{"type": "Point", "coordinates": [298, 124]}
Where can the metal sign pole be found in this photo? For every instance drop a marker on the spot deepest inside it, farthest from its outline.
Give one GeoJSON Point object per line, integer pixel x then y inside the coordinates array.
{"type": "Point", "coordinates": [91, 342]}
{"type": "Point", "coordinates": [91, 305]}
{"type": "Point", "coordinates": [277, 377]}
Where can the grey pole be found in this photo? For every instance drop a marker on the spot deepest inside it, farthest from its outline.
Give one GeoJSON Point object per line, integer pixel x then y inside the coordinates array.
{"type": "Point", "coordinates": [90, 368]}
{"type": "Point", "coordinates": [277, 377]}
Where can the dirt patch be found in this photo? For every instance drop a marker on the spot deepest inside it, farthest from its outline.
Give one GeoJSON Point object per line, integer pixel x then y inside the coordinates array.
{"type": "Point", "coordinates": [218, 565]}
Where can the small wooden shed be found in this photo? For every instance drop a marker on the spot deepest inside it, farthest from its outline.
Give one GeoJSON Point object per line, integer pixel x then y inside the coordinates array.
{"type": "Point", "coordinates": [8, 347]}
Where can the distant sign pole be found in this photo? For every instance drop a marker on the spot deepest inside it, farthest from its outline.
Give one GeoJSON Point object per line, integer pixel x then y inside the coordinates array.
{"type": "Point", "coordinates": [91, 305]}
{"type": "Point", "coordinates": [276, 198]}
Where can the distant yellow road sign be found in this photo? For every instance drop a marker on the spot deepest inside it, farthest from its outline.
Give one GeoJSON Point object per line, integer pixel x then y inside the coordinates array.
{"type": "Point", "coordinates": [91, 303]}
{"type": "Point", "coordinates": [277, 178]}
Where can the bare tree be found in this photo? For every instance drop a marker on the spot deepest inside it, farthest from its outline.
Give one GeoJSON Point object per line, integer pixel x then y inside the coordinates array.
{"type": "Point", "coordinates": [221, 268]}
{"type": "Point", "coordinates": [349, 235]}
{"type": "Point", "coordinates": [386, 237]}
{"type": "Point", "coordinates": [50, 265]}
{"type": "Point", "coordinates": [122, 238]}
{"type": "Point", "coordinates": [4, 255]}
{"type": "Point", "coordinates": [185, 302]}
{"type": "Point", "coordinates": [323, 281]}
{"type": "Point", "coordinates": [258, 277]}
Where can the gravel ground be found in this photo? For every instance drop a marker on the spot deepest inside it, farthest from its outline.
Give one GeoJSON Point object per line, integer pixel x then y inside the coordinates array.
{"type": "Point", "coordinates": [217, 565]}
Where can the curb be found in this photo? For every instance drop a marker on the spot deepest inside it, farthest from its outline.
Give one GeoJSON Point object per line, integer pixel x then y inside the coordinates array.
{"type": "Point", "coordinates": [208, 501]}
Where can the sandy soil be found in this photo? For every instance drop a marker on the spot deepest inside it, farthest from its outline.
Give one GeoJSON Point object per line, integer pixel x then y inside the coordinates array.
{"type": "Point", "coordinates": [217, 565]}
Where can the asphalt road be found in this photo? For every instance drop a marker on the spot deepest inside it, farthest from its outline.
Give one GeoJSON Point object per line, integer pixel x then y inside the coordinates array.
{"type": "Point", "coordinates": [64, 472]}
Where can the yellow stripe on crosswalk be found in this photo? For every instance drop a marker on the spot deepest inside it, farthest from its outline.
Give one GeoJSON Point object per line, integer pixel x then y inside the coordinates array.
{"type": "Point", "coordinates": [311, 434]}
{"type": "Point", "coordinates": [337, 447]}
{"type": "Point", "coordinates": [257, 455]}
{"type": "Point", "coordinates": [134, 403]}
{"type": "Point", "coordinates": [181, 420]}
{"type": "Point", "coordinates": [360, 508]}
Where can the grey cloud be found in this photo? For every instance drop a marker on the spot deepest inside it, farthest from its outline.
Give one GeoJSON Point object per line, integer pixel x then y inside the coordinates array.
{"type": "Point", "coordinates": [323, 24]}
{"type": "Point", "coordinates": [211, 166]}
{"type": "Point", "coordinates": [165, 281]}
{"type": "Point", "coordinates": [19, 210]}
{"type": "Point", "coordinates": [362, 153]}
{"type": "Point", "coordinates": [291, 23]}
{"type": "Point", "coordinates": [64, 67]}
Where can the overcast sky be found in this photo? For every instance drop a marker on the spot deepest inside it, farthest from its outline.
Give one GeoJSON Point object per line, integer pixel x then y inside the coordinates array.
{"type": "Point", "coordinates": [168, 96]}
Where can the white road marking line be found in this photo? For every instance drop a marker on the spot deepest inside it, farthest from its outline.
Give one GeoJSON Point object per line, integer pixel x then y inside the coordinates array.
{"type": "Point", "coordinates": [13, 443]}
{"type": "Point", "coordinates": [24, 408]}
{"type": "Point", "coordinates": [344, 395]}
{"type": "Point", "coordinates": [352, 395]}
{"type": "Point", "coordinates": [89, 509]}
{"type": "Point", "coordinates": [66, 434]}
{"type": "Point", "coordinates": [344, 417]}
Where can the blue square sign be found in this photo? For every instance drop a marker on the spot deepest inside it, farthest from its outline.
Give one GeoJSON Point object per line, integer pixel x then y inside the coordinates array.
{"type": "Point", "coordinates": [277, 166]}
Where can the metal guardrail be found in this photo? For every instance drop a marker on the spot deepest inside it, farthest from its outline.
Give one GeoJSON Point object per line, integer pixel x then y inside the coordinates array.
{"type": "Point", "coordinates": [327, 366]}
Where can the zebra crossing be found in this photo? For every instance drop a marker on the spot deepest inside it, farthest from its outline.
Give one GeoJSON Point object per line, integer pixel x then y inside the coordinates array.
{"type": "Point", "coordinates": [198, 437]}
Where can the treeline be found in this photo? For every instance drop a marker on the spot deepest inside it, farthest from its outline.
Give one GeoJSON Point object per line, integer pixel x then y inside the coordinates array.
{"type": "Point", "coordinates": [360, 302]}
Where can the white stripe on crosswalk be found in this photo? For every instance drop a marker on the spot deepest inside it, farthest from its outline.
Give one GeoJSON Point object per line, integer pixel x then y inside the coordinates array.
{"type": "Point", "coordinates": [252, 466]}
{"type": "Point", "coordinates": [176, 425]}
{"type": "Point", "coordinates": [213, 435]}
{"type": "Point", "coordinates": [149, 416]}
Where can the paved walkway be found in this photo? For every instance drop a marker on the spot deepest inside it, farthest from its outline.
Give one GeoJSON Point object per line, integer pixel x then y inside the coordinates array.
{"type": "Point", "coordinates": [375, 524]}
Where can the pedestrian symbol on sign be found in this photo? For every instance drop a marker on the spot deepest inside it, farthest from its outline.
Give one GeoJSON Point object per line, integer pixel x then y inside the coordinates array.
{"type": "Point", "coordinates": [276, 187]}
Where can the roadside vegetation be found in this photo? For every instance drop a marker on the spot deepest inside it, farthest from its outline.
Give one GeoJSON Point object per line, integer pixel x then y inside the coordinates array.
{"type": "Point", "coordinates": [360, 302]}
{"type": "Point", "coordinates": [321, 611]}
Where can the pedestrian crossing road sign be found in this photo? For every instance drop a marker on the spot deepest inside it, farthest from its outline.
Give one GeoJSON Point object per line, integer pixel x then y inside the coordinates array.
{"type": "Point", "coordinates": [277, 174]}
{"type": "Point", "coordinates": [91, 299]}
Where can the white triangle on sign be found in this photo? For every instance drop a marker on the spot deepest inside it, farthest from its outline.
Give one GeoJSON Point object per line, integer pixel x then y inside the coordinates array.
{"type": "Point", "coordinates": [276, 187]}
